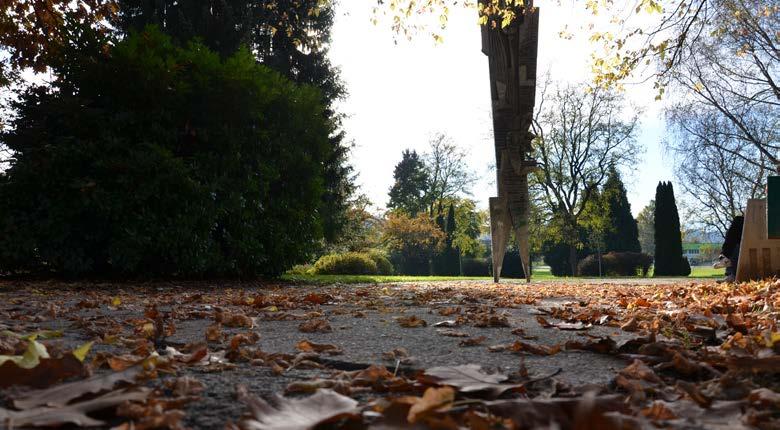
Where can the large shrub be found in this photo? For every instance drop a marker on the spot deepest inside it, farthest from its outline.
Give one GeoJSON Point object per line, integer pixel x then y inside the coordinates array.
{"type": "Point", "coordinates": [148, 158]}
{"type": "Point", "coordinates": [348, 263]}
{"type": "Point", "coordinates": [383, 264]}
{"type": "Point", "coordinates": [616, 264]}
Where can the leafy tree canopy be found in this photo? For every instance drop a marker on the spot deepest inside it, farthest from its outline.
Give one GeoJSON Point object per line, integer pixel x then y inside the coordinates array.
{"type": "Point", "coordinates": [156, 159]}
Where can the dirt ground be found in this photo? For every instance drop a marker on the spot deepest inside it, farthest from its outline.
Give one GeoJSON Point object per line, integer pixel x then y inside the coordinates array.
{"type": "Point", "coordinates": [557, 340]}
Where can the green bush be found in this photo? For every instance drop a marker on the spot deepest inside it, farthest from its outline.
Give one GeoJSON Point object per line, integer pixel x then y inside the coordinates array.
{"type": "Point", "coordinates": [383, 264]}
{"type": "Point", "coordinates": [151, 159]}
{"type": "Point", "coordinates": [616, 264]}
{"type": "Point", "coordinates": [348, 263]}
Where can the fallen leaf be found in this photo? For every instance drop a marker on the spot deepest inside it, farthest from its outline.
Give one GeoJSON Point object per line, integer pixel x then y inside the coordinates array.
{"type": "Point", "coordinates": [324, 406]}
{"type": "Point", "coordinates": [490, 320]}
{"type": "Point", "coordinates": [36, 369]}
{"type": "Point", "coordinates": [451, 333]}
{"type": "Point", "coordinates": [214, 332]}
{"type": "Point", "coordinates": [411, 322]}
{"type": "Point", "coordinates": [60, 395]}
{"type": "Point", "coordinates": [533, 348]}
{"type": "Point", "coordinates": [73, 413]}
{"type": "Point", "coordinates": [432, 399]}
{"type": "Point", "coordinates": [469, 378]}
{"type": "Point", "coordinates": [306, 346]}
{"type": "Point", "coordinates": [314, 326]}
{"type": "Point", "coordinates": [473, 341]}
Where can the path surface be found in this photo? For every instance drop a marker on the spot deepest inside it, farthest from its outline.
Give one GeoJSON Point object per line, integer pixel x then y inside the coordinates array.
{"type": "Point", "coordinates": [365, 323]}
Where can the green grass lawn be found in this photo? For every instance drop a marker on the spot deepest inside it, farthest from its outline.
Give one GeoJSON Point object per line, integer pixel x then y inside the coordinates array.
{"type": "Point", "coordinates": [540, 274]}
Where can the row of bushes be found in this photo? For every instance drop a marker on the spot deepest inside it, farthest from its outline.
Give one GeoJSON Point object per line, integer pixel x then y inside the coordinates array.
{"type": "Point", "coordinates": [354, 263]}
{"type": "Point", "coordinates": [616, 264]}
{"type": "Point", "coordinates": [376, 263]}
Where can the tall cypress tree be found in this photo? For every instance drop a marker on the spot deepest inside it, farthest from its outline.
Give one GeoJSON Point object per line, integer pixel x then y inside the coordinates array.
{"type": "Point", "coordinates": [623, 236]}
{"type": "Point", "coordinates": [669, 260]}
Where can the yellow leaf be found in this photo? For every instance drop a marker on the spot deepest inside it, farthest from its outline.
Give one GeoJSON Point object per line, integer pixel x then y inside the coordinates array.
{"type": "Point", "coordinates": [31, 357]}
{"type": "Point", "coordinates": [115, 302]}
{"type": "Point", "coordinates": [148, 329]}
{"type": "Point", "coordinates": [81, 352]}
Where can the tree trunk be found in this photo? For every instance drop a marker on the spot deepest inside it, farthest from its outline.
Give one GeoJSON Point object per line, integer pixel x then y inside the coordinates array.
{"type": "Point", "coordinates": [573, 259]}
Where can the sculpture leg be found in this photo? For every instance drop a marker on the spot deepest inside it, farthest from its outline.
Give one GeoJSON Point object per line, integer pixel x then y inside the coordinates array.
{"type": "Point", "coordinates": [499, 232]}
{"type": "Point", "coordinates": [521, 234]}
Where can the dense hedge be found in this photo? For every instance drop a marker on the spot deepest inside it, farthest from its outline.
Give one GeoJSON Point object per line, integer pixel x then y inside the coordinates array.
{"type": "Point", "coordinates": [353, 263]}
{"type": "Point", "coordinates": [151, 159]}
{"type": "Point", "coordinates": [383, 264]}
{"type": "Point", "coordinates": [616, 264]}
{"type": "Point", "coordinates": [476, 266]}
{"type": "Point", "coordinates": [348, 263]}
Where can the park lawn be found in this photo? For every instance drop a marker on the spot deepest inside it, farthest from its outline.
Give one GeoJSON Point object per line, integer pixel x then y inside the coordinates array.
{"type": "Point", "coordinates": [539, 274]}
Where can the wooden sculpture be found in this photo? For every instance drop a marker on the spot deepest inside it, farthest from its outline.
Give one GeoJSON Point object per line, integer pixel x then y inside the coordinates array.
{"type": "Point", "coordinates": [511, 52]}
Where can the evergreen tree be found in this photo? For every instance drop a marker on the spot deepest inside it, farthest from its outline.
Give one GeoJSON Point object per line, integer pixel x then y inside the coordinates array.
{"type": "Point", "coordinates": [289, 36]}
{"type": "Point", "coordinates": [669, 260]}
{"type": "Point", "coordinates": [410, 187]}
{"type": "Point", "coordinates": [155, 159]}
{"type": "Point", "coordinates": [623, 234]}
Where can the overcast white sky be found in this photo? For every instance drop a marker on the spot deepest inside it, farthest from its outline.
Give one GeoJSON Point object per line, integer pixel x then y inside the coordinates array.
{"type": "Point", "coordinates": [399, 94]}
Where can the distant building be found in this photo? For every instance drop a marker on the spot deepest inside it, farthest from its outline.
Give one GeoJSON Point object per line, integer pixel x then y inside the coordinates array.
{"type": "Point", "coordinates": [699, 254]}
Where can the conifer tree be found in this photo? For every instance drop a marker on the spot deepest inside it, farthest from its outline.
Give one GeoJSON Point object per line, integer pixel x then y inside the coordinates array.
{"type": "Point", "coordinates": [411, 184]}
{"type": "Point", "coordinates": [669, 260]}
{"type": "Point", "coordinates": [623, 234]}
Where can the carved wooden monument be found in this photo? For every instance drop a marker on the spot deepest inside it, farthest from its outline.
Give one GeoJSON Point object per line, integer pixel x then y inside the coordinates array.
{"type": "Point", "coordinates": [511, 54]}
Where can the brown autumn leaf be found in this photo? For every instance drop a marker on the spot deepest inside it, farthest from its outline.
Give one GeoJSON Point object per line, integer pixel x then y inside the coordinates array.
{"type": "Point", "coordinates": [307, 346]}
{"type": "Point", "coordinates": [475, 341]}
{"type": "Point", "coordinates": [324, 406]}
{"type": "Point", "coordinates": [604, 345]}
{"type": "Point", "coordinates": [451, 332]}
{"type": "Point", "coordinates": [764, 398]}
{"type": "Point", "coordinates": [468, 378]}
{"type": "Point", "coordinates": [658, 411]}
{"type": "Point", "coordinates": [185, 386]}
{"type": "Point", "coordinates": [311, 386]}
{"type": "Point", "coordinates": [432, 399]}
{"type": "Point", "coordinates": [317, 299]}
{"type": "Point", "coordinates": [75, 413]}
{"type": "Point", "coordinates": [243, 339]}
{"type": "Point", "coordinates": [48, 371]}
{"type": "Point", "coordinates": [490, 320]}
{"type": "Point", "coordinates": [543, 322]}
{"type": "Point", "coordinates": [534, 348]}
{"type": "Point", "coordinates": [118, 363]}
{"type": "Point", "coordinates": [639, 370]}
{"type": "Point", "coordinates": [234, 320]}
{"type": "Point", "coordinates": [315, 326]}
{"type": "Point", "coordinates": [411, 322]}
{"type": "Point", "coordinates": [630, 325]}
{"type": "Point", "coordinates": [214, 332]}
{"type": "Point", "coordinates": [588, 412]}
{"type": "Point", "coordinates": [60, 395]}
{"type": "Point", "coordinates": [445, 312]}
